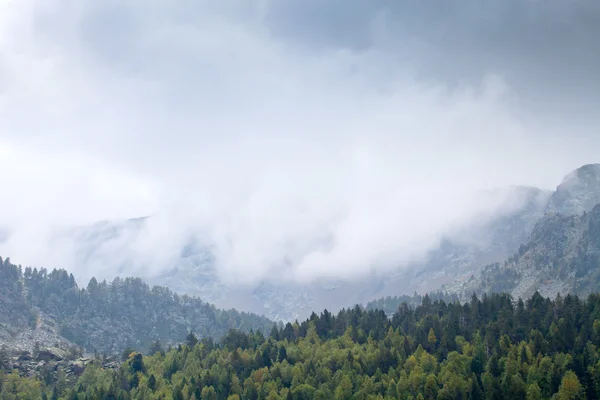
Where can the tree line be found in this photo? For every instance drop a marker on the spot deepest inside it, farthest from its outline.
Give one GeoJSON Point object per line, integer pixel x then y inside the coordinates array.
{"type": "Point", "coordinates": [488, 348]}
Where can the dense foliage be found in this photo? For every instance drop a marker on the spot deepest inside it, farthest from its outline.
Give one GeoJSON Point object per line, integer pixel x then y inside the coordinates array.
{"type": "Point", "coordinates": [491, 348]}
{"type": "Point", "coordinates": [107, 317]}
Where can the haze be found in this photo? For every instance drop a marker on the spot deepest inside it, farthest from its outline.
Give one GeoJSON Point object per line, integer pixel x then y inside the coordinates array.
{"type": "Point", "coordinates": [304, 138]}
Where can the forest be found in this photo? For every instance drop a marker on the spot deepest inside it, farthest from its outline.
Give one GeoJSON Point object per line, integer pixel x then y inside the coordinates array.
{"type": "Point", "coordinates": [105, 317]}
{"type": "Point", "coordinates": [495, 347]}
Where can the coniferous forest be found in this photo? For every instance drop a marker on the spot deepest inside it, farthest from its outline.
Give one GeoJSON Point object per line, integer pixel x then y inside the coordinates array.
{"type": "Point", "coordinates": [489, 348]}
{"type": "Point", "coordinates": [105, 317]}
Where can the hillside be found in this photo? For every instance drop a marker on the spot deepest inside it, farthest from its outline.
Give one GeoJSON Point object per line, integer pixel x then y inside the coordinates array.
{"type": "Point", "coordinates": [50, 308]}
{"type": "Point", "coordinates": [562, 255]}
{"type": "Point", "coordinates": [488, 348]}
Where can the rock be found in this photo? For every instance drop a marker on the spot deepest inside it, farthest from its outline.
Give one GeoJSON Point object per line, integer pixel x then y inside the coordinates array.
{"type": "Point", "coordinates": [579, 191]}
{"type": "Point", "coordinates": [77, 366]}
{"type": "Point", "coordinates": [51, 369]}
{"type": "Point", "coordinates": [52, 353]}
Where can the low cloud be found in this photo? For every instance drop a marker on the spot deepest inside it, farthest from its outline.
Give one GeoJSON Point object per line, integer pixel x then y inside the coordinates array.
{"type": "Point", "coordinates": [281, 155]}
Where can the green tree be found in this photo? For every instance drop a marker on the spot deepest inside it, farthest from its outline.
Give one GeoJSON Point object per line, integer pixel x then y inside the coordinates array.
{"type": "Point", "coordinates": [191, 340]}
{"type": "Point", "coordinates": [126, 353]}
{"type": "Point", "coordinates": [304, 392]}
{"type": "Point", "coordinates": [156, 347]}
{"type": "Point", "coordinates": [534, 392]}
{"type": "Point", "coordinates": [209, 393]}
{"type": "Point", "coordinates": [431, 339]}
{"type": "Point", "coordinates": [570, 387]}
{"type": "Point", "coordinates": [343, 389]}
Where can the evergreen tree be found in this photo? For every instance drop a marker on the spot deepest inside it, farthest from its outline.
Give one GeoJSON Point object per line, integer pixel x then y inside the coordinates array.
{"type": "Point", "coordinates": [156, 347]}
{"type": "Point", "coordinates": [191, 340]}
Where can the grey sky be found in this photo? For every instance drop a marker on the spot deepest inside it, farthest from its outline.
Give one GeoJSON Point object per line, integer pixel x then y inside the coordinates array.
{"type": "Point", "coordinates": [542, 48]}
{"type": "Point", "coordinates": [272, 127]}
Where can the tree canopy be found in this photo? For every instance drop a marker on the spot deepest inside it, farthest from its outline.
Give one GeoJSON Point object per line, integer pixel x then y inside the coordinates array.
{"type": "Point", "coordinates": [489, 348]}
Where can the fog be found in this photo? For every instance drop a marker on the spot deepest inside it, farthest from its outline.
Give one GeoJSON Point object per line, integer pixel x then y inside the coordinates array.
{"type": "Point", "coordinates": [301, 139]}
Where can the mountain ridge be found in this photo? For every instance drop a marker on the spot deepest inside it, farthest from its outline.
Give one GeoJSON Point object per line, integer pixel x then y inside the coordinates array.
{"type": "Point", "coordinates": [38, 305]}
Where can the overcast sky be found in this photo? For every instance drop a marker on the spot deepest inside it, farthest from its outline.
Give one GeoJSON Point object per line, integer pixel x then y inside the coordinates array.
{"type": "Point", "coordinates": [328, 136]}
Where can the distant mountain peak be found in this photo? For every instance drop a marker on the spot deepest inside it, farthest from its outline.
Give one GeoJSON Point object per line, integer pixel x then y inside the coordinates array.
{"type": "Point", "coordinates": [579, 191]}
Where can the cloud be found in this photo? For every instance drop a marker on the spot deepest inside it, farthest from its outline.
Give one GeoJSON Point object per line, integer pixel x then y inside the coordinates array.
{"type": "Point", "coordinates": [304, 137]}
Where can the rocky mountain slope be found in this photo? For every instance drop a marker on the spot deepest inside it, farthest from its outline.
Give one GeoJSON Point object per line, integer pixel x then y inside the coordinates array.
{"type": "Point", "coordinates": [52, 365]}
{"type": "Point", "coordinates": [457, 257]}
{"type": "Point", "coordinates": [462, 254]}
{"type": "Point", "coordinates": [456, 260]}
{"type": "Point", "coordinates": [37, 306]}
{"type": "Point", "coordinates": [562, 256]}
{"type": "Point", "coordinates": [578, 192]}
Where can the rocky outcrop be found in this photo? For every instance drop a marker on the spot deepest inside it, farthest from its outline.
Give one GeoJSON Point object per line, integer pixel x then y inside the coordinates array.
{"type": "Point", "coordinates": [43, 332]}
{"type": "Point", "coordinates": [51, 366]}
{"type": "Point", "coordinates": [579, 191]}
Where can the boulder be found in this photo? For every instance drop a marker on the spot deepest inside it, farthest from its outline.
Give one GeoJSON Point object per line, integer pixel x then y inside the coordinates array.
{"type": "Point", "coordinates": [52, 354]}
{"type": "Point", "coordinates": [24, 356]}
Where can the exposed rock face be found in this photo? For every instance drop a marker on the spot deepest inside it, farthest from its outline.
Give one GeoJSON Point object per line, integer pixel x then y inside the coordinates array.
{"type": "Point", "coordinates": [562, 256]}
{"type": "Point", "coordinates": [578, 192]}
{"type": "Point", "coordinates": [51, 369]}
{"type": "Point", "coordinates": [44, 331]}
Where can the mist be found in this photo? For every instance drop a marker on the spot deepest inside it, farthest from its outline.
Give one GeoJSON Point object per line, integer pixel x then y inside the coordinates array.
{"type": "Point", "coordinates": [295, 139]}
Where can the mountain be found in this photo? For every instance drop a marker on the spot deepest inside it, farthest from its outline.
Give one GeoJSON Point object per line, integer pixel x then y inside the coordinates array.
{"type": "Point", "coordinates": [457, 257]}
{"type": "Point", "coordinates": [50, 308]}
{"type": "Point", "coordinates": [562, 256]}
{"type": "Point", "coordinates": [464, 254]}
{"type": "Point", "coordinates": [193, 272]}
{"type": "Point", "coordinates": [578, 192]}
{"type": "Point", "coordinates": [465, 251]}
{"type": "Point", "coordinates": [114, 248]}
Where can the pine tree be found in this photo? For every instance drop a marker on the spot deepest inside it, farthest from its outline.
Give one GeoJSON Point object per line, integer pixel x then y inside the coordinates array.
{"type": "Point", "coordinates": [191, 340]}
{"type": "Point", "coordinates": [570, 387]}
{"type": "Point", "coordinates": [534, 392]}
{"type": "Point", "coordinates": [156, 347]}
{"type": "Point", "coordinates": [431, 340]}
